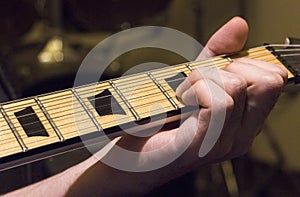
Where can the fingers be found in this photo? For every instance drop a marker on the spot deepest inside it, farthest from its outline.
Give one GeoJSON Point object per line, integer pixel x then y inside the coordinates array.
{"type": "Point", "coordinates": [194, 86]}
{"type": "Point", "coordinates": [265, 82]}
{"type": "Point", "coordinates": [262, 78]}
{"type": "Point", "coordinates": [228, 39]}
{"type": "Point", "coordinates": [250, 90]}
{"type": "Point", "coordinates": [269, 67]}
{"type": "Point", "coordinates": [205, 92]}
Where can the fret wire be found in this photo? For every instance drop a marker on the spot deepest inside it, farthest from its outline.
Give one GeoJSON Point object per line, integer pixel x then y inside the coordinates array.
{"type": "Point", "coordinates": [66, 124]}
{"type": "Point", "coordinates": [229, 59]}
{"type": "Point", "coordinates": [69, 125]}
{"type": "Point", "coordinates": [139, 106]}
{"type": "Point", "coordinates": [24, 135]}
{"type": "Point", "coordinates": [100, 97]}
{"type": "Point", "coordinates": [150, 85]}
{"type": "Point", "coordinates": [189, 67]}
{"type": "Point", "coordinates": [258, 49]}
{"type": "Point", "coordinates": [274, 59]}
{"type": "Point", "coordinates": [64, 105]}
{"type": "Point", "coordinates": [68, 114]}
{"type": "Point", "coordinates": [91, 127]}
{"type": "Point", "coordinates": [27, 124]}
{"type": "Point", "coordinates": [178, 79]}
{"type": "Point", "coordinates": [134, 113]}
{"type": "Point", "coordinates": [47, 100]}
{"type": "Point", "coordinates": [106, 122]}
{"type": "Point", "coordinates": [127, 91]}
{"type": "Point", "coordinates": [58, 97]}
{"type": "Point", "coordinates": [130, 78]}
{"type": "Point", "coordinates": [152, 94]}
{"type": "Point", "coordinates": [13, 129]}
{"type": "Point", "coordinates": [199, 63]}
{"type": "Point", "coordinates": [163, 91]}
{"type": "Point", "coordinates": [9, 140]}
{"type": "Point", "coordinates": [109, 95]}
{"type": "Point", "coordinates": [130, 100]}
{"type": "Point", "coordinates": [167, 71]}
{"type": "Point", "coordinates": [55, 117]}
{"type": "Point", "coordinates": [56, 130]}
{"type": "Point", "coordinates": [163, 70]}
{"type": "Point", "coordinates": [98, 126]}
{"type": "Point", "coordinates": [37, 131]}
{"type": "Point", "coordinates": [80, 133]}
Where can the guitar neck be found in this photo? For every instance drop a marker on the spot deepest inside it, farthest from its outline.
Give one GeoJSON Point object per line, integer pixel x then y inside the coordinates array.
{"type": "Point", "coordinates": [31, 125]}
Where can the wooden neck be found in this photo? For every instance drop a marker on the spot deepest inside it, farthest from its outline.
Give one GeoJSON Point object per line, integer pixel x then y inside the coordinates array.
{"type": "Point", "coordinates": [35, 122]}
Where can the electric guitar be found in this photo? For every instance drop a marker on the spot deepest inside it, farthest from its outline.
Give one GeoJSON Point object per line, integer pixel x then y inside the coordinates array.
{"type": "Point", "coordinates": [44, 125]}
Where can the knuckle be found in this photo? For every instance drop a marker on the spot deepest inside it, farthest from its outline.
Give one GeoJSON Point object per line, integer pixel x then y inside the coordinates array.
{"type": "Point", "coordinates": [237, 83]}
{"type": "Point", "coordinates": [229, 103]}
{"type": "Point", "coordinates": [279, 70]}
{"type": "Point", "coordinates": [272, 81]}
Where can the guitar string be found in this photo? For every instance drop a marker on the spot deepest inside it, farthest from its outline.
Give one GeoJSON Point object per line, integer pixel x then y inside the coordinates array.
{"type": "Point", "coordinates": [150, 82]}
{"type": "Point", "coordinates": [52, 135]}
{"type": "Point", "coordinates": [48, 138]}
{"type": "Point", "coordinates": [54, 107]}
{"type": "Point", "coordinates": [45, 121]}
{"type": "Point", "coordinates": [44, 139]}
{"type": "Point", "coordinates": [195, 64]}
{"type": "Point", "coordinates": [133, 75]}
{"type": "Point", "coordinates": [74, 125]}
{"type": "Point", "coordinates": [41, 141]}
{"type": "Point", "coordinates": [290, 55]}
{"type": "Point", "coordinates": [102, 105]}
{"type": "Point", "coordinates": [80, 108]}
{"type": "Point", "coordinates": [20, 107]}
{"type": "Point", "coordinates": [286, 50]}
{"type": "Point", "coordinates": [129, 100]}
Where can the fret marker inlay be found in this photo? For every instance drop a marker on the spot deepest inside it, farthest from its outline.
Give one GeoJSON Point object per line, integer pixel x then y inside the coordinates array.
{"type": "Point", "coordinates": [31, 123]}
{"type": "Point", "coordinates": [106, 104]}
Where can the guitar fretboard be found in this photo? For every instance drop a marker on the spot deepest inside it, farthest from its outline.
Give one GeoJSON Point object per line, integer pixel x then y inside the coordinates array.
{"type": "Point", "coordinates": [43, 120]}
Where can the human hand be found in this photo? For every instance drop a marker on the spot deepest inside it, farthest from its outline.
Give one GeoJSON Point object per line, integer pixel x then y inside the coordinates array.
{"type": "Point", "coordinates": [248, 90]}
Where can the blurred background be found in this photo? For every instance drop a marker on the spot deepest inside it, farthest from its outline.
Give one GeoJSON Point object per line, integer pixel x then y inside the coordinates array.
{"type": "Point", "coordinates": [43, 42]}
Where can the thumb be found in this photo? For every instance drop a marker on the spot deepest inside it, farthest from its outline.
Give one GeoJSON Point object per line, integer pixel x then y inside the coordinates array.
{"type": "Point", "coordinates": [230, 38]}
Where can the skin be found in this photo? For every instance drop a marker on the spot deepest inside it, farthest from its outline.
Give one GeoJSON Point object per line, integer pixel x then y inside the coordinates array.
{"type": "Point", "coordinates": [246, 102]}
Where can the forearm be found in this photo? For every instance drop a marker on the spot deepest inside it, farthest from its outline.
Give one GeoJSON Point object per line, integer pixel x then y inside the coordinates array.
{"type": "Point", "coordinates": [57, 185]}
